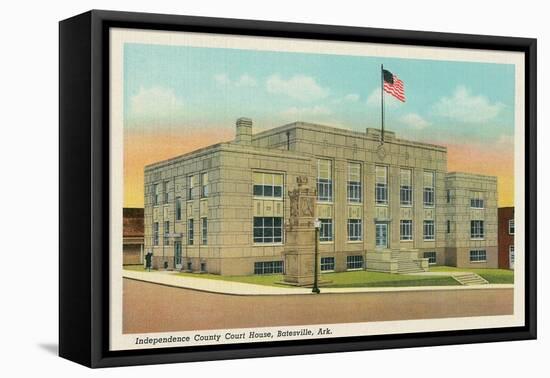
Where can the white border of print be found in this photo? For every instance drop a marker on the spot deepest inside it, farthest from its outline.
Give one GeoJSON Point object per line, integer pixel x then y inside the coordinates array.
{"type": "Point", "coordinates": [118, 37]}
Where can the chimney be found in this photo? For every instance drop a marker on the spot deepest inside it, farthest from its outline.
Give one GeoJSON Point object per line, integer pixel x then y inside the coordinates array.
{"type": "Point", "coordinates": [244, 131]}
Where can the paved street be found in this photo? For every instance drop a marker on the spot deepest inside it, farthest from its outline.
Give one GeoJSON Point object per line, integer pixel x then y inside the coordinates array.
{"type": "Point", "coordinates": [152, 307]}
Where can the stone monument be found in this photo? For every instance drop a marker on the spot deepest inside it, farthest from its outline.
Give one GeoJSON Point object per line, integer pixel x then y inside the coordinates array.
{"type": "Point", "coordinates": [299, 252]}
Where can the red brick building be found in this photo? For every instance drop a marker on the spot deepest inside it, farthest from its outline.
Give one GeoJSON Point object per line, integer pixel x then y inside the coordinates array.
{"type": "Point", "coordinates": [132, 236]}
{"type": "Point", "coordinates": [506, 230]}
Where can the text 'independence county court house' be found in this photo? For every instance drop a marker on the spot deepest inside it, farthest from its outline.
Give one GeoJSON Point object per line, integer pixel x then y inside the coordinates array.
{"type": "Point", "coordinates": [388, 207]}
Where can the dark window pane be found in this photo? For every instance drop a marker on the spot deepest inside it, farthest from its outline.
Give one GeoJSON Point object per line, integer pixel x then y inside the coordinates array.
{"type": "Point", "coordinates": [257, 190]}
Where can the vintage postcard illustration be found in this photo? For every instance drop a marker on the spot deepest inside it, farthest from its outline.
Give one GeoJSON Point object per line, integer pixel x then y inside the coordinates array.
{"type": "Point", "coordinates": [271, 189]}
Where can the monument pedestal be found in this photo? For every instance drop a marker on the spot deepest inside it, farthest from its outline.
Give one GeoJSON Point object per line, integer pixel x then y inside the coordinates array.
{"type": "Point", "coordinates": [299, 267]}
{"type": "Point", "coordinates": [299, 270]}
{"type": "Point", "coordinates": [299, 253]}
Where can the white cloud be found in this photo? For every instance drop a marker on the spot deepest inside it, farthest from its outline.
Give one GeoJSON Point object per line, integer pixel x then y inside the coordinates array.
{"type": "Point", "coordinates": [414, 121]}
{"type": "Point", "coordinates": [155, 103]}
{"type": "Point", "coordinates": [222, 79]}
{"type": "Point", "coordinates": [298, 87]}
{"type": "Point", "coordinates": [313, 111]}
{"type": "Point", "coordinates": [352, 97]}
{"type": "Point", "coordinates": [466, 107]}
{"type": "Point", "coordinates": [244, 80]}
{"type": "Point", "coordinates": [389, 101]}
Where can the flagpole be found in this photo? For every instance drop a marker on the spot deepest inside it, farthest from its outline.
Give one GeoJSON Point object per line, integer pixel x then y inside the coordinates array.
{"type": "Point", "coordinates": [382, 102]}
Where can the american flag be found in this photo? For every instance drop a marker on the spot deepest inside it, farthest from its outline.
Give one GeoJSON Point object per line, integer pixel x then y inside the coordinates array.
{"type": "Point", "coordinates": [393, 85]}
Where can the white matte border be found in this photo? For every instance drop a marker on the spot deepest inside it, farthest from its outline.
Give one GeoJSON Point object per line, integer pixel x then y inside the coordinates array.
{"type": "Point", "coordinates": [118, 37]}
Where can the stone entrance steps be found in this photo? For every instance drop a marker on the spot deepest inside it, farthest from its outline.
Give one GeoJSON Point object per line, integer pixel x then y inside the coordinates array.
{"type": "Point", "coordinates": [404, 265]}
{"type": "Point", "coordinates": [408, 266]}
{"type": "Point", "coordinates": [469, 279]}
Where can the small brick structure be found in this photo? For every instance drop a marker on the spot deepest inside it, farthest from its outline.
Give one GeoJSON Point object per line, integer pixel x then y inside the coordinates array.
{"type": "Point", "coordinates": [132, 236]}
{"type": "Point", "coordinates": [505, 237]}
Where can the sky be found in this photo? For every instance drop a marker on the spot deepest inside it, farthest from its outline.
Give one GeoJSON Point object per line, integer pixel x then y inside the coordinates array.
{"type": "Point", "coordinates": [180, 98]}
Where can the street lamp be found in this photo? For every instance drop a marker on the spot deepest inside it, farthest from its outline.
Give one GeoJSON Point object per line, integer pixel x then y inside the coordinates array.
{"type": "Point", "coordinates": [317, 224]}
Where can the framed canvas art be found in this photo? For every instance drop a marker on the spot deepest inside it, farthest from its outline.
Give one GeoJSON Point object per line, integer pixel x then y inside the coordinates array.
{"type": "Point", "coordinates": [235, 188]}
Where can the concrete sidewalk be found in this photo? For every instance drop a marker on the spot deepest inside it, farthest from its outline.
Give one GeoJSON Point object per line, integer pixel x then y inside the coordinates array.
{"type": "Point", "coordinates": [238, 288]}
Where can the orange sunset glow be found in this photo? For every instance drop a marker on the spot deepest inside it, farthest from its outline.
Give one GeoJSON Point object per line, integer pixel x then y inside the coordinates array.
{"type": "Point", "coordinates": [493, 162]}
{"type": "Point", "coordinates": [147, 148]}
{"type": "Point", "coordinates": [141, 149]}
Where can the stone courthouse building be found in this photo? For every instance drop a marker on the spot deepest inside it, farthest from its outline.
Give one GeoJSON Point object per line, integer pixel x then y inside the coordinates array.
{"type": "Point", "coordinates": [387, 207]}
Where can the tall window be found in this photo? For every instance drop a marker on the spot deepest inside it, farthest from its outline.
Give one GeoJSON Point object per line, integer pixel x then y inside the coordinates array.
{"type": "Point", "coordinates": [178, 208]}
{"type": "Point", "coordinates": [204, 185]}
{"type": "Point", "coordinates": [156, 233]}
{"type": "Point", "coordinates": [166, 231]}
{"type": "Point", "coordinates": [381, 235]}
{"type": "Point", "coordinates": [429, 230]}
{"type": "Point", "coordinates": [204, 231]}
{"type": "Point", "coordinates": [429, 184]}
{"type": "Point", "coordinates": [512, 255]}
{"type": "Point", "coordinates": [324, 180]}
{"type": "Point", "coordinates": [406, 228]}
{"type": "Point", "coordinates": [177, 253]}
{"type": "Point", "coordinates": [381, 189]}
{"type": "Point", "coordinates": [511, 227]}
{"type": "Point", "coordinates": [405, 192]}
{"type": "Point", "coordinates": [354, 262]}
{"type": "Point", "coordinates": [355, 228]}
{"type": "Point", "coordinates": [448, 226]}
{"type": "Point", "coordinates": [190, 231]}
{"type": "Point", "coordinates": [268, 185]}
{"type": "Point", "coordinates": [476, 201]}
{"type": "Point", "coordinates": [156, 194]}
{"type": "Point", "coordinates": [476, 229]}
{"type": "Point", "coordinates": [354, 182]}
{"type": "Point", "coordinates": [325, 233]}
{"type": "Point", "coordinates": [190, 186]}
{"type": "Point", "coordinates": [448, 196]}
{"type": "Point", "coordinates": [478, 255]}
{"type": "Point", "coordinates": [165, 191]}
{"type": "Point", "coordinates": [327, 264]}
{"type": "Point", "coordinates": [268, 230]}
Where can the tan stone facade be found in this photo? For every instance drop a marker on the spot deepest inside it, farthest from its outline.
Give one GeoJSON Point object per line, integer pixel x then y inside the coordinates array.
{"type": "Point", "coordinates": [471, 198]}
{"type": "Point", "coordinates": [222, 209]}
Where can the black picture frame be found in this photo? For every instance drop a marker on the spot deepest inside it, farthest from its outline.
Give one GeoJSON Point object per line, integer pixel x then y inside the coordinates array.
{"type": "Point", "coordinates": [84, 187]}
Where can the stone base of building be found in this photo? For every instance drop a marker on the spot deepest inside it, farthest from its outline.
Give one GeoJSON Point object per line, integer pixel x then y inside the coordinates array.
{"type": "Point", "coordinates": [460, 257]}
{"type": "Point", "coordinates": [401, 261]}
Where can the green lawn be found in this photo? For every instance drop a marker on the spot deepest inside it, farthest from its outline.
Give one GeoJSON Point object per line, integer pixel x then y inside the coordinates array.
{"type": "Point", "coordinates": [365, 278]}
{"type": "Point", "coordinates": [139, 268]}
{"type": "Point", "coordinates": [345, 279]}
{"type": "Point", "coordinates": [268, 279]}
{"type": "Point", "coordinates": [496, 276]}
{"type": "Point", "coordinates": [375, 279]}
